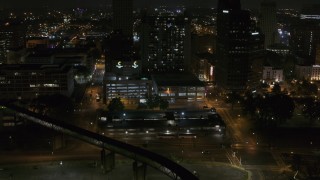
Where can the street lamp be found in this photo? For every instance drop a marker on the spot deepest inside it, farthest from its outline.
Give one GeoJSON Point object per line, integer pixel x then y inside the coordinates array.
{"type": "Point", "coordinates": [182, 114]}
{"type": "Point", "coordinates": [124, 116]}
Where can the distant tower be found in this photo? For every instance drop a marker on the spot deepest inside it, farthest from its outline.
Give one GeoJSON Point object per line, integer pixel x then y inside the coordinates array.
{"type": "Point", "coordinates": [238, 44]}
{"type": "Point", "coordinates": [11, 36]}
{"type": "Point", "coordinates": [123, 16]}
{"type": "Point", "coordinates": [268, 22]}
{"type": "Point", "coordinates": [305, 34]}
{"type": "Point", "coordinates": [165, 43]}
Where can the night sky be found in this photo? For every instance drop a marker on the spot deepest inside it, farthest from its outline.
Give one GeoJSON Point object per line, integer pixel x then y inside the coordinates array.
{"type": "Point", "coordinates": [145, 3]}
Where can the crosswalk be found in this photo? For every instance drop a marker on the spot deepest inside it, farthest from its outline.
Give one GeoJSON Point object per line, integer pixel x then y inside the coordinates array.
{"type": "Point", "coordinates": [234, 160]}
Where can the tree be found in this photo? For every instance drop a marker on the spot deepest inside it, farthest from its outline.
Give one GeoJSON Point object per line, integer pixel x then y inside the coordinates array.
{"type": "Point", "coordinates": [232, 98]}
{"type": "Point", "coordinates": [153, 101]}
{"type": "Point", "coordinates": [164, 104]}
{"type": "Point", "coordinates": [276, 88]}
{"type": "Point", "coordinates": [306, 88]}
{"type": "Point", "coordinates": [276, 109]}
{"type": "Point", "coordinates": [311, 110]}
{"type": "Point", "coordinates": [313, 89]}
{"type": "Point", "coordinates": [251, 103]}
{"type": "Point", "coordinates": [52, 104]}
{"type": "Point", "coordinates": [115, 105]}
{"type": "Point", "coordinates": [264, 85]}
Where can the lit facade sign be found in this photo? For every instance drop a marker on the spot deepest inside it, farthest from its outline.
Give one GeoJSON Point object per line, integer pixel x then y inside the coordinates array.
{"type": "Point", "coordinates": [119, 65]}
{"type": "Point", "coordinates": [135, 64]}
{"type": "Point", "coordinates": [211, 70]}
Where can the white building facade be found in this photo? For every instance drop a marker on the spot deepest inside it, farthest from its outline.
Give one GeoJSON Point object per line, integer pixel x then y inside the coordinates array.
{"type": "Point", "coordinates": [271, 74]}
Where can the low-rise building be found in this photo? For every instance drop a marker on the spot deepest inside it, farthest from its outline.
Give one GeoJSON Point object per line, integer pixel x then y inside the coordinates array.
{"type": "Point", "coordinates": [315, 73]}
{"type": "Point", "coordinates": [180, 87]}
{"type": "Point", "coordinates": [131, 90]}
{"type": "Point", "coordinates": [271, 74]}
{"type": "Point", "coordinates": [27, 81]}
{"type": "Point", "coordinates": [303, 71]}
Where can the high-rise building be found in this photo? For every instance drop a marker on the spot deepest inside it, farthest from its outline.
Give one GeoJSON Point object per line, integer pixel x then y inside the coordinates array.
{"type": "Point", "coordinates": [118, 48]}
{"type": "Point", "coordinates": [317, 62]}
{"type": "Point", "coordinates": [165, 43]}
{"type": "Point", "coordinates": [119, 44]}
{"type": "Point", "coordinates": [305, 35]}
{"type": "Point", "coordinates": [268, 22]}
{"type": "Point", "coordinates": [311, 12]}
{"type": "Point", "coordinates": [123, 16]}
{"type": "Point", "coordinates": [239, 46]}
{"type": "Point", "coordinates": [11, 36]}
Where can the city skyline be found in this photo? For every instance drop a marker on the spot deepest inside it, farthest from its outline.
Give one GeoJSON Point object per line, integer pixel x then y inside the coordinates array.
{"type": "Point", "coordinates": [160, 89]}
{"type": "Point", "coordinates": [147, 3]}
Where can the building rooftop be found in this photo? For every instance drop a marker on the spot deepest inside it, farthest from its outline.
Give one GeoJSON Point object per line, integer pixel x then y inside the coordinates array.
{"type": "Point", "coordinates": [177, 79]}
{"type": "Point", "coordinates": [34, 67]}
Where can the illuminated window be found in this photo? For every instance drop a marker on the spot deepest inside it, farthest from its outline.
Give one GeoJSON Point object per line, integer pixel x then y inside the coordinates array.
{"type": "Point", "coordinates": [51, 85]}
